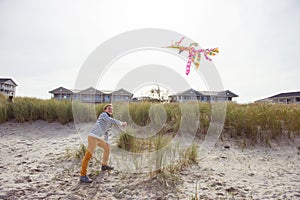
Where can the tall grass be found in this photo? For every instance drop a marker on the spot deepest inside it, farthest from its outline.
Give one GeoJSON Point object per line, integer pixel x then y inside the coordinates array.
{"type": "Point", "coordinates": [85, 112]}
{"type": "Point", "coordinates": [2, 98]}
{"type": "Point", "coordinates": [4, 109]}
{"type": "Point", "coordinates": [31, 109]}
{"type": "Point", "coordinates": [156, 154]}
{"type": "Point", "coordinates": [25, 109]}
{"type": "Point", "coordinates": [140, 113]}
{"type": "Point", "coordinates": [254, 122]}
{"type": "Point", "coordinates": [263, 122]}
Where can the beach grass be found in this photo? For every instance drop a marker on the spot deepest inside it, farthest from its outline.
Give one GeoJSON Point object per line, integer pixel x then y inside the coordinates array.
{"type": "Point", "coordinates": [24, 109]}
{"type": "Point", "coordinates": [255, 122]}
{"type": "Point", "coordinates": [262, 122]}
{"type": "Point", "coordinates": [158, 150]}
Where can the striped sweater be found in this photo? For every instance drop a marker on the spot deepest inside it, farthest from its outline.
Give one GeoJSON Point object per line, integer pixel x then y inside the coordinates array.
{"type": "Point", "coordinates": [103, 124]}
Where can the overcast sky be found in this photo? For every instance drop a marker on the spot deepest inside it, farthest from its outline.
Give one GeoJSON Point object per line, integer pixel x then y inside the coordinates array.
{"type": "Point", "coordinates": [43, 44]}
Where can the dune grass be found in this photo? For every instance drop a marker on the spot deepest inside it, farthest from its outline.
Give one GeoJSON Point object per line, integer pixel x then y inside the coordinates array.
{"type": "Point", "coordinates": [254, 122]}
{"type": "Point", "coordinates": [5, 109]}
{"type": "Point", "coordinates": [157, 153]}
{"type": "Point", "coordinates": [263, 122]}
{"type": "Point", "coordinates": [24, 109]}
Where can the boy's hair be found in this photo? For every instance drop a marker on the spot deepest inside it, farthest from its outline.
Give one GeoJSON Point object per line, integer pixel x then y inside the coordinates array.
{"type": "Point", "coordinates": [107, 105]}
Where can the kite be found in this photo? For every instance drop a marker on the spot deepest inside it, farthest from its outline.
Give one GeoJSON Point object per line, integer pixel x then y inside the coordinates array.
{"type": "Point", "coordinates": [194, 54]}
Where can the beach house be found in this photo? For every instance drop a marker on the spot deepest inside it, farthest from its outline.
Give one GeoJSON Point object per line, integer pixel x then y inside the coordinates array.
{"type": "Point", "coordinates": [202, 96]}
{"type": "Point", "coordinates": [90, 95]}
{"type": "Point", "coordinates": [121, 95]}
{"type": "Point", "coordinates": [284, 98]}
{"type": "Point", "coordinates": [8, 87]}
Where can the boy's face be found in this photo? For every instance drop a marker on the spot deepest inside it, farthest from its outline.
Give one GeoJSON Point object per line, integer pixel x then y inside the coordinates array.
{"type": "Point", "coordinates": [109, 110]}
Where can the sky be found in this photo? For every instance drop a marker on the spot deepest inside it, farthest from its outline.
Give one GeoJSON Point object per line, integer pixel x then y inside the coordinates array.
{"type": "Point", "coordinates": [43, 44]}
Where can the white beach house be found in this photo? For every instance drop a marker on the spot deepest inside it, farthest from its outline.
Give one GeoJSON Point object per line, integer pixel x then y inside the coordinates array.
{"type": "Point", "coordinates": [8, 87]}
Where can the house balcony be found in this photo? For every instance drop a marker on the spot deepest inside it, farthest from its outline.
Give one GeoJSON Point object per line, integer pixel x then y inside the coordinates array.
{"type": "Point", "coordinates": [90, 100]}
{"type": "Point", "coordinates": [2, 88]}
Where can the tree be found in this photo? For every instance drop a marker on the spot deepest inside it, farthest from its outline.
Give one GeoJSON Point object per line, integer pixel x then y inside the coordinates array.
{"type": "Point", "coordinates": [160, 94]}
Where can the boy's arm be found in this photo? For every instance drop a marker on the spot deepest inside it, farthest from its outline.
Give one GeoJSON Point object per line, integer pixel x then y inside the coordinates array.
{"type": "Point", "coordinates": [107, 118]}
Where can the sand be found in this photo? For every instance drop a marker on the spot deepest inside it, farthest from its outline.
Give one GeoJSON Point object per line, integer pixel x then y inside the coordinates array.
{"type": "Point", "coordinates": [35, 163]}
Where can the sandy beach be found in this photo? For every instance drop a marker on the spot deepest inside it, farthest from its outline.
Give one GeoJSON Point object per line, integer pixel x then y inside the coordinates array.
{"type": "Point", "coordinates": [34, 165]}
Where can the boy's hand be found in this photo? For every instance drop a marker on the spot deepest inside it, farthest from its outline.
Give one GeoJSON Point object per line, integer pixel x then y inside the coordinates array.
{"type": "Point", "coordinates": [124, 124]}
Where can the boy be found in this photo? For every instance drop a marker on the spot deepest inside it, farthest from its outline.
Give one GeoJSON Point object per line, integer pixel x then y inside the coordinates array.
{"type": "Point", "coordinates": [103, 124]}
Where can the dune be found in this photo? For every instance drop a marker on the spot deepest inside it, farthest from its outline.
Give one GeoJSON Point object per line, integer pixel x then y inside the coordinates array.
{"type": "Point", "coordinates": [34, 164]}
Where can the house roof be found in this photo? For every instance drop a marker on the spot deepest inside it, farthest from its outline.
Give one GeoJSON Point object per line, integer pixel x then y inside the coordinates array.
{"type": "Point", "coordinates": [75, 91]}
{"type": "Point", "coordinates": [228, 93]}
{"type": "Point", "coordinates": [209, 93]}
{"type": "Point", "coordinates": [122, 92]}
{"type": "Point", "coordinates": [3, 80]}
{"type": "Point", "coordinates": [61, 90]}
{"type": "Point", "coordinates": [288, 94]}
{"type": "Point", "coordinates": [189, 92]}
{"type": "Point", "coordinates": [90, 90]}
{"type": "Point", "coordinates": [266, 100]}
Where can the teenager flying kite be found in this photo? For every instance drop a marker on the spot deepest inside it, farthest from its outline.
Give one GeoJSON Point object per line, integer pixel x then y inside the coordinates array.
{"type": "Point", "coordinates": [101, 128]}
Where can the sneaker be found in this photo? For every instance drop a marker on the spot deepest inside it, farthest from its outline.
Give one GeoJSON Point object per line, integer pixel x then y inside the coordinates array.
{"type": "Point", "coordinates": [85, 179]}
{"type": "Point", "coordinates": [106, 168]}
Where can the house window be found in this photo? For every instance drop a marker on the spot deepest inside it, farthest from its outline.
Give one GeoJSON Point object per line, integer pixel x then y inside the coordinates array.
{"type": "Point", "coordinates": [98, 97]}
{"type": "Point", "coordinates": [282, 100]}
{"type": "Point", "coordinates": [194, 97]}
{"type": "Point", "coordinates": [76, 97]}
{"type": "Point", "coordinates": [187, 98]}
{"type": "Point", "coordinates": [107, 98]}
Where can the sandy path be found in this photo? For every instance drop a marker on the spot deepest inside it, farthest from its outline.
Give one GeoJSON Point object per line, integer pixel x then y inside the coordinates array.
{"type": "Point", "coordinates": [30, 155]}
{"type": "Point", "coordinates": [33, 166]}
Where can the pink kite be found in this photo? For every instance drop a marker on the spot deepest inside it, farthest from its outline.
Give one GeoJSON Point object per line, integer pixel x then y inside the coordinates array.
{"type": "Point", "coordinates": [194, 54]}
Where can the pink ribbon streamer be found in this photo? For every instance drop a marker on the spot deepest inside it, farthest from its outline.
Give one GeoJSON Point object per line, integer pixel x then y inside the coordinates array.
{"type": "Point", "coordinates": [193, 52]}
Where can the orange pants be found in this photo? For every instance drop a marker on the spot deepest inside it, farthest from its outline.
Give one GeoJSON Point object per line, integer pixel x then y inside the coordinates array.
{"type": "Point", "coordinates": [92, 144]}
